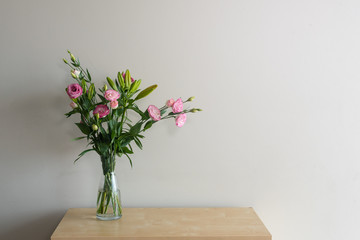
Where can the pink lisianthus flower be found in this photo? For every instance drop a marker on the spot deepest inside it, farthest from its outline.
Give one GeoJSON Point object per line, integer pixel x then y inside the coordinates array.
{"type": "Point", "coordinates": [132, 80]}
{"type": "Point", "coordinates": [111, 95]}
{"type": "Point", "coordinates": [102, 110]}
{"type": "Point", "coordinates": [180, 120]}
{"type": "Point", "coordinates": [177, 106]}
{"type": "Point", "coordinates": [154, 113]}
{"type": "Point", "coordinates": [74, 90]}
{"type": "Point", "coordinates": [170, 102]}
{"type": "Point", "coordinates": [114, 104]}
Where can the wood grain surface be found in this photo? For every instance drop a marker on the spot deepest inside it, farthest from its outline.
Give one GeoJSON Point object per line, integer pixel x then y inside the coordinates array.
{"type": "Point", "coordinates": [164, 223]}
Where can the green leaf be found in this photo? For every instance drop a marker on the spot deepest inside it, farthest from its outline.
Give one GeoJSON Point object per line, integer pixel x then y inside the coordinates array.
{"type": "Point", "coordinates": [112, 125]}
{"type": "Point", "coordinates": [88, 75]}
{"type": "Point", "coordinates": [126, 150]}
{"type": "Point", "coordinates": [129, 159]}
{"type": "Point", "coordinates": [83, 153]}
{"type": "Point", "coordinates": [163, 111]}
{"type": "Point", "coordinates": [146, 115]}
{"type": "Point", "coordinates": [145, 92]}
{"type": "Point", "coordinates": [103, 132]}
{"type": "Point", "coordinates": [148, 125]}
{"type": "Point", "coordinates": [138, 142]}
{"type": "Point", "coordinates": [85, 129]}
{"type": "Point", "coordinates": [125, 141]}
{"type": "Point", "coordinates": [111, 83]}
{"type": "Point", "coordinates": [86, 104]}
{"type": "Point", "coordinates": [103, 147]}
{"type": "Point", "coordinates": [137, 110]}
{"type": "Point", "coordinates": [103, 99]}
{"type": "Point", "coordinates": [71, 113]}
{"type": "Point", "coordinates": [135, 129]}
{"type": "Point", "coordinates": [78, 138]}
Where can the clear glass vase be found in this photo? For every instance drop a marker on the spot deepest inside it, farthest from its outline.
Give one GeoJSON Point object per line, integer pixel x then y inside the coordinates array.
{"type": "Point", "coordinates": [108, 200]}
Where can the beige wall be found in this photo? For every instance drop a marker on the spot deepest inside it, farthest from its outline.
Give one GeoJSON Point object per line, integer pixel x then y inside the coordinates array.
{"type": "Point", "coordinates": [278, 82]}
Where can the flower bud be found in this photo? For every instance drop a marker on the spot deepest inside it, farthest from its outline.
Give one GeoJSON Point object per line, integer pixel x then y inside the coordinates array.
{"type": "Point", "coordinates": [105, 87]}
{"type": "Point", "coordinates": [65, 61]}
{"type": "Point", "coordinates": [194, 110]}
{"type": "Point", "coordinates": [72, 57]}
{"type": "Point", "coordinates": [199, 109]}
{"type": "Point", "coordinates": [73, 105]}
{"type": "Point", "coordinates": [94, 127]}
{"type": "Point", "coordinates": [97, 115]}
{"type": "Point", "coordinates": [76, 73]}
{"type": "Point", "coordinates": [170, 102]}
{"type": "Point", "coordinates": [190, 99]}
{"type": "Point", "coordinates": [73, 75]}
{"type": "Point", "coordinates": [114, 104]}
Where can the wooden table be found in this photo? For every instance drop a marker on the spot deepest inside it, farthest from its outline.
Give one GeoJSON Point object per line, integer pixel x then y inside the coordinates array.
{"type": "Point", "coordinates": [164, 223]}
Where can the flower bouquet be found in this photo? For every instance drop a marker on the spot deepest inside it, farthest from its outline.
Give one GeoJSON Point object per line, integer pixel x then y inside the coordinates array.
{"type": "Point", "coordinates": [106, 125]}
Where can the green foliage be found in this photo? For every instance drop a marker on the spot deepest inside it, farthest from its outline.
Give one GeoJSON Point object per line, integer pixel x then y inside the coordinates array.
{"type": "Point", "coordinates": [113, 134]}
{"type": "Point", "coordinates": [83, 153]}
{"type": "Point", "coordinates": [148, 125]}
{"type": "Point", "coordinates": [85, 129]}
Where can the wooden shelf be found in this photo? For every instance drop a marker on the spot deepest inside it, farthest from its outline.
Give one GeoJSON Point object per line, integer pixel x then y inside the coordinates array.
{"type": "Point", "coordinates": [164, 223]}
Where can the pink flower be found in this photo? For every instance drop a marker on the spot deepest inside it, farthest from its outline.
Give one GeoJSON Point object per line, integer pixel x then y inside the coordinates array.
{"type": "Point", "coordinates": [102, 110]}
{"type": "Point", "coordinates": [124, 75]}
{"type": "Point", "coordinates": [74, 90]}
{"type": "Point", "coordinates": [114, 104]}
{"type": "Point", "coordinates": [180, 120]}
{"type": "Point", "coordinates": [111, 95]}
{"type": "Point", "coordinates": [170, 102]}
{"type": "Point", "coordinates": [154, 113]}
{"type": "Point", "coordinates": [177, 106]}
{"type": "Point", "coordinates": [73, 105]}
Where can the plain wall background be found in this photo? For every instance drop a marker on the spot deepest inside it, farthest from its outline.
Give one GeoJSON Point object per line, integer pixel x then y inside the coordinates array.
{"type": "Point", "coordinates": [278, 82]}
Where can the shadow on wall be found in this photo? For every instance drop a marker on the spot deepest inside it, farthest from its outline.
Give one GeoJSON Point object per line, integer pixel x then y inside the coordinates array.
{"type": "Point", "coordinates": [39, 228]}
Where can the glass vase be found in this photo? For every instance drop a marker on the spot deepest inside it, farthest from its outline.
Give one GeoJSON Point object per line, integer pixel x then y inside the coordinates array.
{"type": "Point", "coordinates": [108, 200]}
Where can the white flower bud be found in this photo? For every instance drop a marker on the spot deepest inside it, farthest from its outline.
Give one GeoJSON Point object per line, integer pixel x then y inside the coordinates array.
{"type": "Point", "coordinates": [73, 105]}
{"type": "Point", "coordinates": [75, 73]}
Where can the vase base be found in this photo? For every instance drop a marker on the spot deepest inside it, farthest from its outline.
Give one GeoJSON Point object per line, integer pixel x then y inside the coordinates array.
{"type": "Point", "coordinates": [108, 217]}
